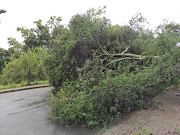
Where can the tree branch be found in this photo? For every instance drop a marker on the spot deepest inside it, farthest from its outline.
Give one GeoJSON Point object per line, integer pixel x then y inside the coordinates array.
{"type": "Point", "coordinates": [104, 50]}
{"type": "Point", "coordinates": [127, 58]}
{"type": "Point", "coordinates": [124, 54]}
{"type": "Point", "coordinates": [125, 50]}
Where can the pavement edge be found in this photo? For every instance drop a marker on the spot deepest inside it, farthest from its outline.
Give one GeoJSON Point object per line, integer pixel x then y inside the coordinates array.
{"type": "Point", "coordinates": [23, 88]}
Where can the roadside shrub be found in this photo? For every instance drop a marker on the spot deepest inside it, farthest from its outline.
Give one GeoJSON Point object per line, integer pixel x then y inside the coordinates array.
{"type": "Point", "coordinates": [111, 96]}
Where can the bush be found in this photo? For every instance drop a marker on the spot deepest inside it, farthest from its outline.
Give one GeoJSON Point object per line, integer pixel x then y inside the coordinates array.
{"type": "Point", "coordinates": [111, 97]}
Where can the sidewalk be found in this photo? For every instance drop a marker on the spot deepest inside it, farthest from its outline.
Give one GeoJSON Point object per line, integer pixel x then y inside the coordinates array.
{"type": "Point", "coordinates": [23, 88]}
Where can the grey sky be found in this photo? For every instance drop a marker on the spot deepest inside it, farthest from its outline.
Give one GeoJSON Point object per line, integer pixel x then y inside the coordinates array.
{"type": "Point", "coordinates": [21, 13]}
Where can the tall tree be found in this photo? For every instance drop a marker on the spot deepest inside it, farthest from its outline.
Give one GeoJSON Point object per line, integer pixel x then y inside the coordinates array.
{"type": "Point", "coordinates": [28, 67]}
{"type": "Point", "coordinates": [41, 35]}
{"type": "Point", "coordinates": [4, 58]}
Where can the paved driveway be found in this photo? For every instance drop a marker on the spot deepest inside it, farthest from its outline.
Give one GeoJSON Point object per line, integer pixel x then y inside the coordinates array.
{"type": "Point", "coordinates": [26, 113]}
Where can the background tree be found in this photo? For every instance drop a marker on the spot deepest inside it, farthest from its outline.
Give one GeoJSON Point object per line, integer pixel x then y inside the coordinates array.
{"type": "Point", "coordinates": [4, 58]}
{"type": "Point", "coordinates": [15, 48]}
{"type": "Point", "coordinates": [19, 69]}
{"type": "Point", "coordinates": [41, 35]}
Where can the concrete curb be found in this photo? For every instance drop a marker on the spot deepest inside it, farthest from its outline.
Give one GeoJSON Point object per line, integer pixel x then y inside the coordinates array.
{"type": "Point", "coordinates": [23, 88]}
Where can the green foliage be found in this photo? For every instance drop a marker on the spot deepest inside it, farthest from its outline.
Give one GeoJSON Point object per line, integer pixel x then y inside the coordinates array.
{"type": "Point", "coordinates": [90, 32]}
{"type": "Point", "coordinates": [4, 58]}
{"type": "Point", "coordinates": [60, 63]}
{"type": "Point", "coordinates": [107, 100]}
{"type": "Point", "coordinates": [40, 36]}
{"type": "Point", "coordinates": [71, 48]}
{"type": "Point", "coordinates": [125, 68]}
{"type": "Point", "coordinates": [99, 70]}
{"type": "Point", "coordinates": [121, 37]}
{"type": "Point", "coordinates": [15, 48]}
{"type": "Point", "coordinates": [22, 84]}
{"type": "Point", "coordinates": [27, 66]}
{"type": "Point", "coordinates": [167, 36]}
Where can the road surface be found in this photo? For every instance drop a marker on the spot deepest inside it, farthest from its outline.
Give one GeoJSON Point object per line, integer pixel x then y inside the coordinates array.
{"type": "Point", "coordinates": [27, 113]}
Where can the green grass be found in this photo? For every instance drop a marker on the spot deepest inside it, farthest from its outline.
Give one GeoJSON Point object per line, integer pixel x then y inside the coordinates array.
{"type": "Point", "coordinates": [23, 84]}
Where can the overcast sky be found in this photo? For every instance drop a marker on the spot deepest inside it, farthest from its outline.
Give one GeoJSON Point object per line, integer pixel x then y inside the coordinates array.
{"type": "Point", "coordinates": [22, 13]}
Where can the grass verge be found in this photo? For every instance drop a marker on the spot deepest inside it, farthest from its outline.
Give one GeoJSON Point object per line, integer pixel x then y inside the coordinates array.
{"type": "Point", "coordinates": [23, 84]}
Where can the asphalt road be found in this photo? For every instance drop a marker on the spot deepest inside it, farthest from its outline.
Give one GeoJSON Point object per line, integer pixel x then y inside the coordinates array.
{"type": "Point", "coordinates": [27, 113]}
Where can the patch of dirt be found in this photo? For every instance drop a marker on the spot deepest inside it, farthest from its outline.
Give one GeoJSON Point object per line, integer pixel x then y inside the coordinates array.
{"type": "Point", "coordinates": [163, 118]}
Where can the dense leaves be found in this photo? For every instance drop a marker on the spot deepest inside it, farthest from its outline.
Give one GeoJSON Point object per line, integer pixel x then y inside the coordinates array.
{"type": "Point", "coordinates": [4, 58]}
{"type": "Point", "coordinates": [111, 69]}
{"type": "Point", "coordinates": [28, 67]}
{"type": "Point", "coordinates": [99, 70]}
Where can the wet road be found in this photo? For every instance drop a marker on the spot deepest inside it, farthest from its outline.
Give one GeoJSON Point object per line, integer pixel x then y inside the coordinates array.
{"type": "Point", "coordinates": [27, 113]}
